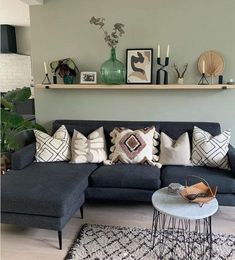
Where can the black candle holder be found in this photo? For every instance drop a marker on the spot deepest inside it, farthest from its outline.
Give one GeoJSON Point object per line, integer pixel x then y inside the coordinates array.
{"type": "Point", "coordinates": [46, 79]}
{"type": "Point", "coordinates": [203, 80]}
{"type": "Point", "coordinates": [54, 79]}
{"type": "Point", "coordinates": [162, 69]}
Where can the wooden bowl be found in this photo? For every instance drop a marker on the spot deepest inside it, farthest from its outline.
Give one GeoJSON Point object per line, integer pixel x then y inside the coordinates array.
{"type": "Point", "coordinates": [199, 188]}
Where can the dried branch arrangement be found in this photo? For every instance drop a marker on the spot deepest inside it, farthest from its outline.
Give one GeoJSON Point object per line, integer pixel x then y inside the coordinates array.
{"type": "Point", "coordinates": [180, 75]}
{"type": "Point", "coordinates": [111, 39]}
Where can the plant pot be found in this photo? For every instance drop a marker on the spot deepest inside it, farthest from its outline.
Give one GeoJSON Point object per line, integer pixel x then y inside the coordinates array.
{"type": "Point", "coordinates": [112, 71]}
{"type": "Point", "coordinates": [69, 79]}
{"type": "Point", "coordinates": [5, 161]}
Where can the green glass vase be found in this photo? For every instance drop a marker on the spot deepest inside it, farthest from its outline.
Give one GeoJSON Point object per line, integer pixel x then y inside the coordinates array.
{"type": "Point", "coordinates": [112, 71]}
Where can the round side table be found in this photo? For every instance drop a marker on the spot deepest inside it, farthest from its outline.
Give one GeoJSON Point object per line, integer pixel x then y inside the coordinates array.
{"type": "Point", "coordinates": [186, 225]}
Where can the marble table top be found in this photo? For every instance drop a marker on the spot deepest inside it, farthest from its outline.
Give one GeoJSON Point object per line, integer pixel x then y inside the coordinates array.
{"type": "Point", "coordinates": [175, 206]}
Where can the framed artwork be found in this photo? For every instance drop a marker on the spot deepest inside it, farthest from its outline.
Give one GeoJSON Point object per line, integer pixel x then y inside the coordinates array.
{"type": "Point", "coordinates": [87, 77]}
{"type": "Point", "coordinates": [139, 63]}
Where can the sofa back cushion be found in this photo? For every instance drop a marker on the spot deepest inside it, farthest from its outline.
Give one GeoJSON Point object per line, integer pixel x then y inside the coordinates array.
{"type": "Point", "coordinates": [176, 129]}
{"type": "Point", "coordinates": [173, 129]}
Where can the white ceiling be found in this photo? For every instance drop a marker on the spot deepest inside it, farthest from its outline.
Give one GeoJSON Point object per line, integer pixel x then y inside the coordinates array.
{"type": "Point", "coordinates": [16, 12]}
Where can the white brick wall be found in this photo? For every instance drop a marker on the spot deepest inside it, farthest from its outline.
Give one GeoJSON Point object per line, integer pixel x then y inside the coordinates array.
{"type": "Point", "coordinates": [15, 71]}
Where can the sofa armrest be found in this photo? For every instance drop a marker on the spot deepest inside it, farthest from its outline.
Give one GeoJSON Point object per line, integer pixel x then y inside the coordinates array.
{"type": "Point", "coordinates": [231, 157]}
{"type": "Point", "coordinates": [23, 157]}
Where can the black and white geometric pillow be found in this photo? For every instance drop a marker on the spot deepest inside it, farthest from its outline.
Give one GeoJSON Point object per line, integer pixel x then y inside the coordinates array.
{"type": "Point", "coordinates": [211, 151]}
{"type": "Point", "coordinates": [55, 148]}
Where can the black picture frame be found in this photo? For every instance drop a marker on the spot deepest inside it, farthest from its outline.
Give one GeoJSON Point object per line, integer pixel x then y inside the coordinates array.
{"type": "Point", "coordinates": [129, 66]}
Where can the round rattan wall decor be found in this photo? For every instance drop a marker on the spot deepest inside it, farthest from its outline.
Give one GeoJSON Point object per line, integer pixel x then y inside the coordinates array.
{"type": "Point", "coordinates": [214, 63]}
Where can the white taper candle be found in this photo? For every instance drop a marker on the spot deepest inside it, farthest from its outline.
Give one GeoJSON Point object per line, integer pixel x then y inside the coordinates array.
{"type": "Point", "coordinates": [168, 51]}
{"type": "Point", "coordinates": [203, 66]}
{"type": "Point", "coordinates": [45, 67]}
{"type": "Point", "coordinates": [158, 51]}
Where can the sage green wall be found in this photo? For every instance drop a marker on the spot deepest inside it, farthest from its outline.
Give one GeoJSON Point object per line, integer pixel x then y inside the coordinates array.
{"type": "Point", "coordinates": [61, 29]}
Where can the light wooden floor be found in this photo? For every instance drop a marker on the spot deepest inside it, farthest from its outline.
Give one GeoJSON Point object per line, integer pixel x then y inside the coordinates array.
{"type": "Point", "coordinates": [20, 243]}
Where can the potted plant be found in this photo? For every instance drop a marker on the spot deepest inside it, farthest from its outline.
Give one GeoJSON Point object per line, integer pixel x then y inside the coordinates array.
{"type": "Point", "coordinates": [112, 71]}
{"type": "Point", "coordinates": [66, 68]}
{"type": "Point", "coordinates": [13, 124]}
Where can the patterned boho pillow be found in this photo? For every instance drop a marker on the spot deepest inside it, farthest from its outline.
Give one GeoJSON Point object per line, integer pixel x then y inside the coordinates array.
{"type": "Point", "coordinates": [91, 149]}
{"type": "Point", "coordinates": [52, 148]}
{"type": "Point", "coordinates": [134, 146]}
{"type": "Point", "coordinates": [210, 151]}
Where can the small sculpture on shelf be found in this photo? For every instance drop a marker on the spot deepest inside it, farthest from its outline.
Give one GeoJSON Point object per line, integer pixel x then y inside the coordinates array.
{"type": "Point", "coordinates": [180, 76]}
{"type": "Point", "coordinates": [66, 68]}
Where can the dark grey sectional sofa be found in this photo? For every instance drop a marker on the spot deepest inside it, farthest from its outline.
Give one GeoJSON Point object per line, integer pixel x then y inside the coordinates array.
{"type": "Point", "coordinates": [46, 195]}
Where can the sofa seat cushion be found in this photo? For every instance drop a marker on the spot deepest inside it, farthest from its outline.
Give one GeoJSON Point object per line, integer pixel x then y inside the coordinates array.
{"type": "Point", "coordinates": [48, 189]}
{"type": "Point", "coordinates": [223, 179]}
{"type": "Point", "coordinates": [126, 176]}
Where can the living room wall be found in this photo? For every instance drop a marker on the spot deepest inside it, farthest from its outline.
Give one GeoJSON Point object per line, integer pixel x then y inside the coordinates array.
{"type": "Point", "coordinates": [61, 29]}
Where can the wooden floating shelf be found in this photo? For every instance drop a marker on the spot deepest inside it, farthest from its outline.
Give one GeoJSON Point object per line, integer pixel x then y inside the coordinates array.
{"type": "Point", "coordinates": [136, 87]}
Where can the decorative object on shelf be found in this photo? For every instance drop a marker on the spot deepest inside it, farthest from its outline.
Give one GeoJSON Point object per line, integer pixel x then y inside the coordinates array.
{"type": "Point", "coordinates": [112, 71]}
{"type": "Point", "coordinates": [221, 79]}
{"type": "Point", "coordinates": [231, 82]}
{"type": "Point", "coordinates": [88, 77]}
{"type": "Point", "coordinates": [200, 192]}
{"type": "Point", "coordinates": [46, 80]}
{"type": "Point", "coordinates": [54, 79]}
{"type": "Point", "coordinates": [66, 68]}
{"type": "Point", "coordinates": [203, 80]}
{"type": "Point", "coordinates": [139, 64]}
{"type": "Point", "coordinates": [162, 66]}
{"type": "Point", "coordinates": [180, 76]}
{"type": "Point", "coordinates": [13, 124]}
{"type": "Point", "coordinates": [211, 63]}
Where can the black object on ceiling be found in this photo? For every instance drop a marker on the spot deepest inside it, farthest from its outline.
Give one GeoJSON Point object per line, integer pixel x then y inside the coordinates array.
{"type": "Point", "coordinates": [8, 39]}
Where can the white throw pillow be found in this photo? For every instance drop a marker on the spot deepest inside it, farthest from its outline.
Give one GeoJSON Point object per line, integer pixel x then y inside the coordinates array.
{"type": "Point", "coordinates": [134, 146]}
{"type": "Point", "coordinates": [210, 150]}
{"type": "Point", "coordinates": [91, 149]}
{"type": "Point", "coordinates": [52, 148]}
{"type": "Point", "coordinates": [175, 152]}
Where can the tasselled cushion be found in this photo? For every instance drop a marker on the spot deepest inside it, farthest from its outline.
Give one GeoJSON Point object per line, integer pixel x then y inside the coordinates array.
{"type": "Point", "coordinates": [134, 146]}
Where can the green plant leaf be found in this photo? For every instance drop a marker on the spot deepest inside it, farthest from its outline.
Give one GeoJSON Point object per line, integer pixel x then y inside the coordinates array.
{"type": "Point", "coordinates": [6, 103]}
{"type": "Point", "coordinates": [11, 119]}
{"type": "Point", "coordinates": [54, 65]}
{"type": "Point", "coordinates": [18, 95]}
{"type": "Point", "coordinates": [12, 124]}
{"type": "Point", "coordinates": [71, 64]}
{"type": "Point", "coordinates": [39, 127]}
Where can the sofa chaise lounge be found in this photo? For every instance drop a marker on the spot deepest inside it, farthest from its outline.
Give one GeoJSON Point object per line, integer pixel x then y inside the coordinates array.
{"type": "Point", "coordinates": [47, 195]}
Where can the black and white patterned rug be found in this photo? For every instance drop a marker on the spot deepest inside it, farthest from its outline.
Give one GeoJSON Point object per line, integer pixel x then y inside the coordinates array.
{"type": "Point", "coordinates": [100, 242]}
